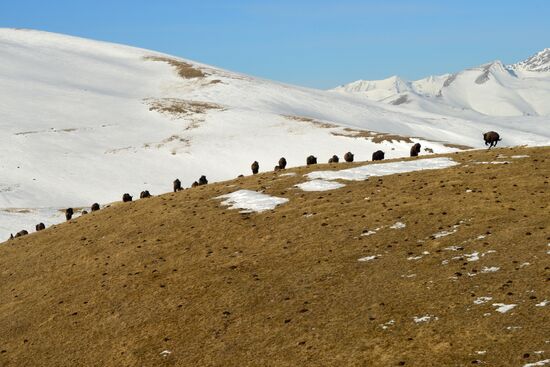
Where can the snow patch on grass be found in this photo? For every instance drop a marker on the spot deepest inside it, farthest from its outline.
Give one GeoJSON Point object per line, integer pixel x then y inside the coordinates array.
{"type": "Point", "coordinates": [362, 173]}
{"type": "Point", "coordinates": [544, 362]}
{"type": "Point", "coordinates": [251, 201]}
{"type": "Point", "coordinates": [425, 318]}
{"type": "Point", "coordinates": [398, 225]}
{"type": "Point", "coordinates": [368, 258]}
{"type": "Point", "coordinates": [482, 300]}
{"type": "Point", "coordinates": [503, 308]}
{"type": "Point", "coordinates": [320, 185]}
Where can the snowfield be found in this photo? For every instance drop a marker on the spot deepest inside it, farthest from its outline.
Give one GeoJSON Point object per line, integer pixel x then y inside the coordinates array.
{"type": "Point", "coordinates": [85, 121]}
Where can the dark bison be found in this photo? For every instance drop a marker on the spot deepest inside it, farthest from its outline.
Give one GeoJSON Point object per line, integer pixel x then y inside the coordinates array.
{"type": "Point", "coordinates": [84, 212]}
{"type": "Point", "coordinates": [95, 207]}
{"type": "Point", "coordinates": [177, 185]}
{"type": "Point", "coordinates": [195, 184]}
{"type": "Point", "coordinates": [203, 180]}
{"type": "Point", "coordinates": [334, 159]}
{"type": "Point", "coordinates": [69, 213]}
{"type": "Point", "coordinates": [491, 138]}
{"type": "Point", "coordinates": [21, 233]}
{"type": "Point", "coordinates": [144, 194]}
{"type": "Point", "coordinates": [311, 160]}
{"type": "Point", "coordinates": [415, 149]}
{"type": "Point", "coordinates": [348, 157]}
{"type": "Point", "coordinates": [282, 163]}
{"type": "Point", "coordinates": [255, 167]}
{"type": "Point", "coordinates": [277, 168]}
{"type": "Point", "coordinates": [126, 198]}
{"type": "Point", "coordinates": [378, 155]}
{"type": "Point", "coordinates": [40, 227]}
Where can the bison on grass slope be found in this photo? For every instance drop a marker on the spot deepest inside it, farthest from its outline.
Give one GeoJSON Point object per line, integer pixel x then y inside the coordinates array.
{"type": "Point", "coordinates": [334, 159]}
{"type": "Point", "coordinates": [348, 157]}
{"type": "Point", "coordinates": [177, 185]}
{"type": "Point", "coordinates": [255, 167]}
{"type": "Point", "coordinates": [378, 155]}
{"type": "Point", "coordinates": [415, 149]}
{"type": "Point", "coordinates": [311, 160]}
{"type": "Point", "coordinates": [69, 213]}
{"type": "Point", "coordinates": [282, 163]}
{"type": "Point", "coordinates": [491, 138]}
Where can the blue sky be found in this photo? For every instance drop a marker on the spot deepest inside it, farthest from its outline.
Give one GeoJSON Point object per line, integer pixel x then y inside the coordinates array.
{"type": "Point", "coordinates": [314, 43]}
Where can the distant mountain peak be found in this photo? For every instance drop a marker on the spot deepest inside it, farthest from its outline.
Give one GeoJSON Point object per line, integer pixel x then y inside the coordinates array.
{"type": "Point", "coordinates": [538, 62]}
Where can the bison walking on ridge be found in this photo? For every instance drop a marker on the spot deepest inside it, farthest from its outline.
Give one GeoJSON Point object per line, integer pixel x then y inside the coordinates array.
{"type": "Point", "coordinates": [491, 138]}
{"type": "Point", "coordinates": [40, 227]}
{"type": "Point", "coordinates": [21, 233]}
{"type": "Point", "coordinates": [255, 167]}
{"type": "Point", "coordinates": [177, 185]}
{"type": "Point", "coordinates": [195, 184]}
{"type": "Point", "coordinates": [378, 155]}
{"type": "Point", "coordinates": [334, 159]}
{"type": "Point", "coordinates": [203, 180]}
{"type": "Point", "coordinates": [282, 163]}
{"type": "Point", "coordinates": [126, 198]}
{"type": "Point", "coordinates": [144, 194]}
{"type": "Point", "coordinates": [348, 157]}
{"type": "Point", "coordinates": [311, 160]}
{"type": "Point", "coordinates": [69, 213]}
{"type": "Point", "coordinates": [95, 207]}
{"type": "Point", "coordinates": [415, 149]}
{"type": "Point", "coordinates": [277, 168]}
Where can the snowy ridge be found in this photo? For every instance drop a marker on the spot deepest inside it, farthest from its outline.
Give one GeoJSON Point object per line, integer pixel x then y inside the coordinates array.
{"type": "Point", "coordinates": [493, 89]}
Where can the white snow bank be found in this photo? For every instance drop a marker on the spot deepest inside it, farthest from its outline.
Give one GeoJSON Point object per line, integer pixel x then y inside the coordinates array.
{"type": "Point", "coordinates": [382, 169]}
{"type": "Point", "coordinates": [424, 318]}
{"type": "Point", "coordinates": [251, 201]}
{"type": "Point", "coordinates": [543, 303]}
{"type": "Point", "coordinates": [368, 258]}
{"type": "Point", "coordinates": [482, 300]}
{"type": "Point", "coordinates": [503, 308]}
{"type": "Point", "coordinates": [319, 185]}
{"type": "Point", "coordinates": [398, 225]}
{"type": "Point", "coordinates": [537, 364]}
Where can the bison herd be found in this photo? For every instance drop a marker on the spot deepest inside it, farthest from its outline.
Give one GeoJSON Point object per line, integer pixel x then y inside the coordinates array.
{"type": "Point", "coordinates": [491, 138]}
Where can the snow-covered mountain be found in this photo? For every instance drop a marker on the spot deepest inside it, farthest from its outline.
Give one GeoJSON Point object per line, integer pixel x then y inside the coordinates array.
{"type": "Point", "coordinates": [494, 89]}
{"type": "Point", "coordinates": [83, 121]}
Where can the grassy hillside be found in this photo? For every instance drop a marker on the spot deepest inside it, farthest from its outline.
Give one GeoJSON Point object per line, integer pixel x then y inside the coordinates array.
{"type": "Point", "coordinates": [179, 280]}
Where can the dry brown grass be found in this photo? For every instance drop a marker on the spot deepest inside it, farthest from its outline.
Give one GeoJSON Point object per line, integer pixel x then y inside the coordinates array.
{"type": "Point", "coordinates": [178, 272]}
{"type": "Point", "coordinates": [184, 69]}
{"type": "Point", "coordinates": [375, 137]}
{"type": "Point", "coordinates": [180, 108]}
{"type": "Point", "coordinates": [314, 122]}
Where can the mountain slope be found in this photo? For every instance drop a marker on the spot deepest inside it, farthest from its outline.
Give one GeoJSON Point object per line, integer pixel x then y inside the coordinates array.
{"type": "Point", "coordinates": [434, 268]}
{"type": "Point", "coordinates": [86, 121]}
{"type": "Point", "coordinates": [494, 89]}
